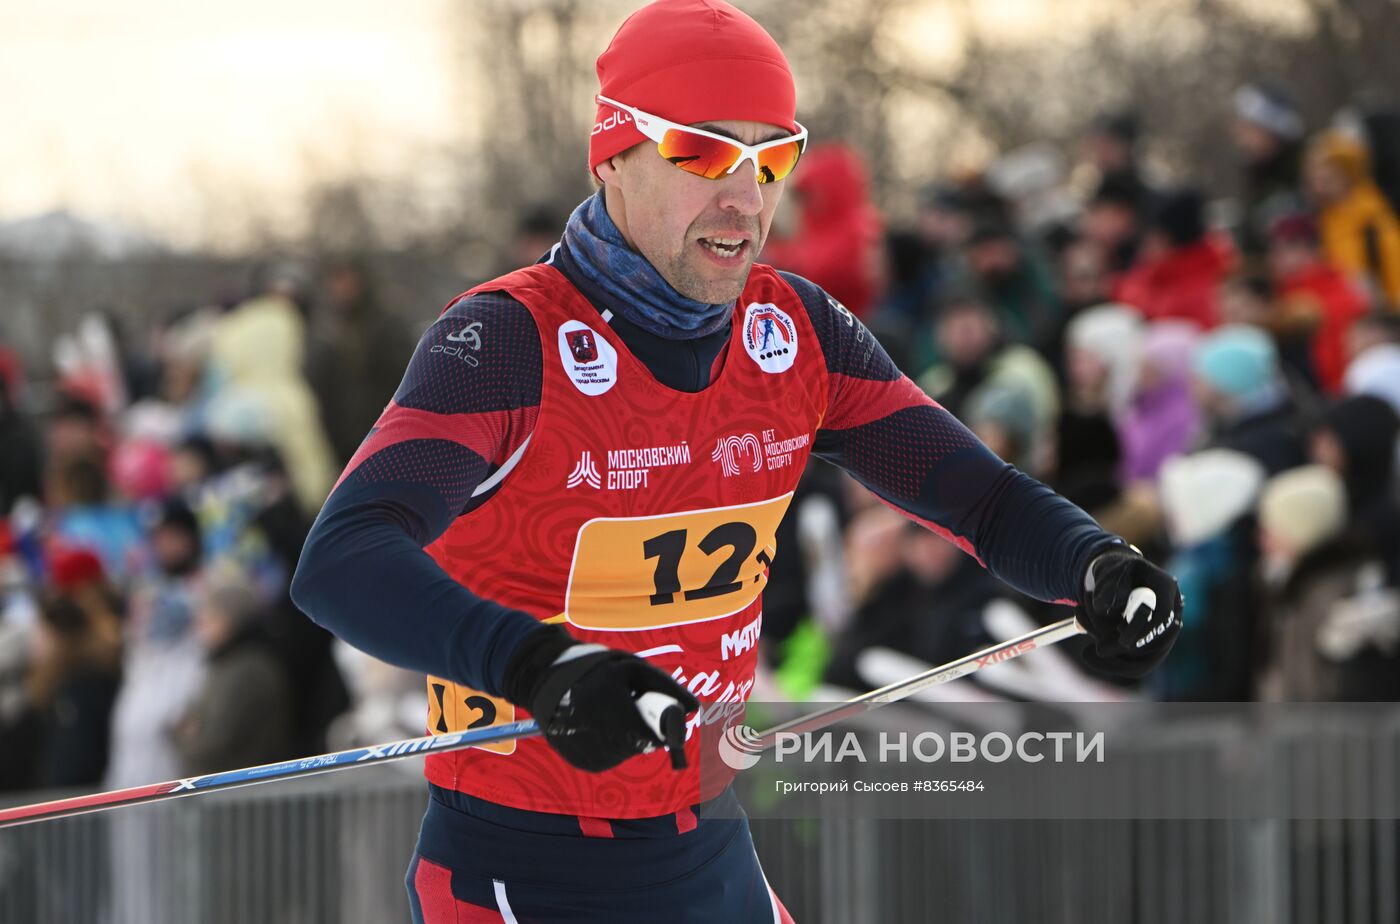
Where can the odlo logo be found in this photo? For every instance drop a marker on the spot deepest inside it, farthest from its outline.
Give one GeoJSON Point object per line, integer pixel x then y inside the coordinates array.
{"type": "Point", "coordinates": [611, 122]}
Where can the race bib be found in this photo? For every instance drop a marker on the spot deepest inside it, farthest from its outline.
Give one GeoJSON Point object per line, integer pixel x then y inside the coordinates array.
{"type": "Point", "coordinates": [454, 708]}
{"type": "Point", "coordinates": [632, 573]}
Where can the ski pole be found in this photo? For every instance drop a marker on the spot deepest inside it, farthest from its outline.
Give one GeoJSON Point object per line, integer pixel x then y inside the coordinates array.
{"type": "Point", "coordinates": [455, 741]}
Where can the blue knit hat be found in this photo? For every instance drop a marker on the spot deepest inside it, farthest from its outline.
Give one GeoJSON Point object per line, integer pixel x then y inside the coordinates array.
{"type": "Point", "coordinates": [1237, 360]}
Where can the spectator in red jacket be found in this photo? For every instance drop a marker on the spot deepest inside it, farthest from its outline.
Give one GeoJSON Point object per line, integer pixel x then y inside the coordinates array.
{"type": "Point", "coordinates": [839, 233]}
{"type": "Point", "coordinates": [1181, 265]}
{"type": "Point", "coordinates": [1313, 296]}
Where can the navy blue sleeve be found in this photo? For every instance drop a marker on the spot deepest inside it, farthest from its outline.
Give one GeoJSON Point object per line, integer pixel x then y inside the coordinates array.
{"type": "Point", "coordinates": [914, 455]}
{"type": "Point", "coordinates": [467, 402]}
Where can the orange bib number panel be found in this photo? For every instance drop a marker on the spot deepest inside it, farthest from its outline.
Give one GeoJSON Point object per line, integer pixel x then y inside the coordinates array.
{"type": "Point", "coordinates": [633, 573]}
{"type": "Point", "coordinates": [453, 708]}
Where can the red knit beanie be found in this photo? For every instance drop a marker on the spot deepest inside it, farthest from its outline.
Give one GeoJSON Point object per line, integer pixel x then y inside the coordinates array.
{"type": "Point", "coordinates": [71, 567]}
{"type": "Point", "coordinates": [690, 61]}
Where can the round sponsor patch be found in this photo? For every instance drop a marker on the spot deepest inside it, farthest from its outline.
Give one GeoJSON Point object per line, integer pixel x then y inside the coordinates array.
{"type": "Point", "coordinates": [589, 361]}
{"type": "Point", "coordinates": [770, 337]}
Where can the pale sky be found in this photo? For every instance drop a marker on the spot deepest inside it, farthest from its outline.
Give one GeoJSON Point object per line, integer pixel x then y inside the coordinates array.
{"type": "Point", "coordinates": [131, 109]}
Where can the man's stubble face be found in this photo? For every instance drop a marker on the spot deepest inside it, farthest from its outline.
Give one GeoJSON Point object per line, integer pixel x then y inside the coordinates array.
{"type": "Point", "coordinates": [679, 221]}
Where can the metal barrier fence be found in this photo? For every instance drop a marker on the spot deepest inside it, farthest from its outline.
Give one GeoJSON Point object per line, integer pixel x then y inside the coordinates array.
{"type": "Point", "coordinates": [335, 848]}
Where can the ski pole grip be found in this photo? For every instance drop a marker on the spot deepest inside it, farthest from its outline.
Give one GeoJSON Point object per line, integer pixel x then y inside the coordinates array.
{"type": "Point", "coordinates": [665, 718]}
{"type": "Point", "coordinates": [1142, 598]}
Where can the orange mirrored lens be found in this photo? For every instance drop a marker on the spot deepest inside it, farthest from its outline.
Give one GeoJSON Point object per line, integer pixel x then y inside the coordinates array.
{"type": "Point", "coordinates": [777, 162]}
{"type": "Point", "coordinates": [712, 158]}
{"type": "Point", "coordinates": [697, 154]}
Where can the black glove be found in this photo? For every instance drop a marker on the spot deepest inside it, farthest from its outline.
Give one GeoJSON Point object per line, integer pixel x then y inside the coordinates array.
{"type": "Point", "coordinates": [1132, 610]}
{"type": "Point", "coordinates": [589, 700]}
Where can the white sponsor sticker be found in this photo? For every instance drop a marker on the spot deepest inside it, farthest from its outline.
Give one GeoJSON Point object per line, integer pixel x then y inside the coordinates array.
{"type": "Point", "coordinates": [770, 337]}
{"type": "Point", "coordinates": [589, 360]}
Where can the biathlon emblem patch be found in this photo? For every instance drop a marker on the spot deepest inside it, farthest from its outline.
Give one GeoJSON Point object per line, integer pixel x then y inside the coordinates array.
{"type": "Point", "coordinates": [770, 337]}
{"type": "Point", "coordinates": [589, 360]}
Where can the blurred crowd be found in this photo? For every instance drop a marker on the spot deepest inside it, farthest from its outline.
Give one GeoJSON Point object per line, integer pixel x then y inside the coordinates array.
{"type": "Point", "coordinates": [153, 515]}
{"type": "Point", "coordinates": [1216, 380]}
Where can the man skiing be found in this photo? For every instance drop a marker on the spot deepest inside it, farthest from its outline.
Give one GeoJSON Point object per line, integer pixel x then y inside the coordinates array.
{"type": "Point", "coordinates": [585, 513]}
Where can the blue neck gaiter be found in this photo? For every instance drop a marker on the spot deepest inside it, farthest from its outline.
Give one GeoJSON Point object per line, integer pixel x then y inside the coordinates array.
{"type": "Point", "coordinates": [631, 283]}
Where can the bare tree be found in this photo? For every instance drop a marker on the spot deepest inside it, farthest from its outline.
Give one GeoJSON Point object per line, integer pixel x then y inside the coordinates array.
{"type": "Point", "coordinates": [531, 72]}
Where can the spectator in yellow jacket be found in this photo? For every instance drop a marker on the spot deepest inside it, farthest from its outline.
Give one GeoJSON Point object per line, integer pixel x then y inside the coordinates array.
{"type": "Point", "coordinates": [1358, 227]}
{"type": "Point", "coordinates": [259, 387]}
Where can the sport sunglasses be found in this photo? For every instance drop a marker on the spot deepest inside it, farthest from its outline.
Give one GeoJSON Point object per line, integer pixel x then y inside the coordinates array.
{"type": "Point", "coordinates": [712, 156]}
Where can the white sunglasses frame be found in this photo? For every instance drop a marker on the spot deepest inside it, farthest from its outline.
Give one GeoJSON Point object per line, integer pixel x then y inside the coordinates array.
{"type": "Point", "coordinates": [655, 128]}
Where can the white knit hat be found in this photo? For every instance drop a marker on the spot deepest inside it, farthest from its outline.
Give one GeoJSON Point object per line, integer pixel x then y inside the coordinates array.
{"type": "Point", "coordinates": [1303, 507]}
{"type": "Point", "coordinates": [1113, 333]}
{"type": "Point", "coordinates": [1376, 372]}
{"type": "Point", "coordinates": [1205, 492]}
